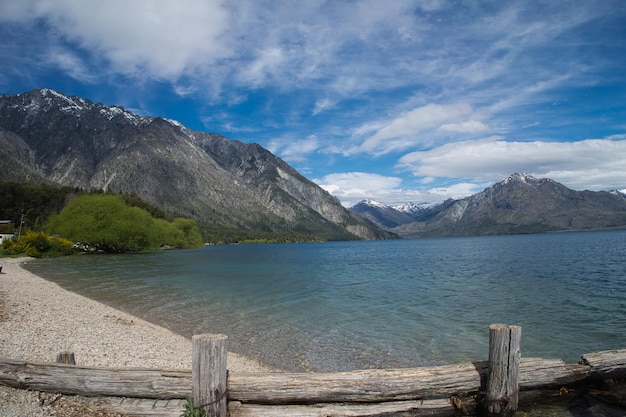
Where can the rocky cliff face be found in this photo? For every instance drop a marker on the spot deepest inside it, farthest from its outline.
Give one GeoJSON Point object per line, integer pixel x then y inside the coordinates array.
{"type": "Point", "coordinates": [47, 136]}
{"type": "Point", "coordinates": [520, 204]}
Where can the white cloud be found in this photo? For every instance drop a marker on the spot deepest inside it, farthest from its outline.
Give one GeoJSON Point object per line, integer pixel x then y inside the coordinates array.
{"type": "Point", "coordinates": [161, 38]}
{"type": "Point", "coordinates": [321, 105]}
{"type": "Point", "coordinates": [592, 163]}
{"type": "Point", "coordinates": [458, 190]}
{"type": "Point", "coordinates": [470, 126]}
{"type": "Point", "coordinates": [353, 187]}
{"type": "Point", "coordinates": [293, 150]}
{"type": "Point", "coordinates": [264, 67]}
{"type": "Point", "coordinates": [421, 126]}
{"type": "Point", "coordinates": [71, 64]}
{"type": "Point", "coordinates": [350, 48]}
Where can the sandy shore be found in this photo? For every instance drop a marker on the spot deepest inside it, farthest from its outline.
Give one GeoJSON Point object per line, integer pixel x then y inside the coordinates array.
{"type": "Point", "coordinates": [39, 319]}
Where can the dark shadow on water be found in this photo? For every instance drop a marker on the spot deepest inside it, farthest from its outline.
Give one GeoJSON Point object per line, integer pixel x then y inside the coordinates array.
{"type": "Point", "coordinates": [602, 398]}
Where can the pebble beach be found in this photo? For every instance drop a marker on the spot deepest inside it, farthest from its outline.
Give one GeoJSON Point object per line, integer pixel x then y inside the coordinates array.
{"type": "Point", "coordinates": [39, 319]}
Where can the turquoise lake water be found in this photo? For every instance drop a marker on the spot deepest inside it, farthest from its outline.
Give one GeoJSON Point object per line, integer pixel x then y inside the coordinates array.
{"type": "Point", "coordinates": [376, 304]}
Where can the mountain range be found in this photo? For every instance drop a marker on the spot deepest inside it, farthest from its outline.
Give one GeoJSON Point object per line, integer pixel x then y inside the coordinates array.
{"type": "Point", "coordinates": [519, 203]}
{"type": "Point", "coordinates": [49, 137]}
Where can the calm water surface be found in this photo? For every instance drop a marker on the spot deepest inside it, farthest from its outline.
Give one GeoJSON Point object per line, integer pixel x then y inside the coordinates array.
{"type": "Point", "coordinates": [352, 305]}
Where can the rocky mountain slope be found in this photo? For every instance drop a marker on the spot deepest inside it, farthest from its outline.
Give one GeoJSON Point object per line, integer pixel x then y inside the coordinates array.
{"type": "Point", "coordinates": [517, 204]}
{"type": "Point", "coordinates": [46, 136]}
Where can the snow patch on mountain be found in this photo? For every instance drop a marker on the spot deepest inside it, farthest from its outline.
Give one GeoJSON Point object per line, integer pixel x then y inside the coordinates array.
{"type": "Point", "coordinates": [523, 177]}
{"type": "Point", "coordinates": [374, 203]}
{"type": "Point", "coordinates": [182, 128]}
{"type": "Point", "coordinates": [174, 123]}
{"type": "Point", "coordinates": [78, 106]}
{"type": "Point", "coordinates": [411, 207]}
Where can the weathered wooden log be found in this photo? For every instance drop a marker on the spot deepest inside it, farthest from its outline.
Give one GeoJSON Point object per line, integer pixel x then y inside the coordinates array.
{"type": "Point", "coordinates": [501, 397]}
{"type": "Point", "coordinates": [359, 386]}
{"type": "Point", "coordinates": [373, 385]}
{"type": "Point", "coordinates": [285, 388]}
{"type": "Point", "coordinates": [439, 407]}
{"type": "Point", "coordinates": [606, 364]}
{"type": "Point", "coordinates": [209, 373]}
{"type": "Point", "coordinates": [91, 381]}
{"type": "Point", "coordinates": [537, 373]}
{"type": "Point", "coordinates": [443, 407]}
{"type": "Point", "coordinates": [139, 407]}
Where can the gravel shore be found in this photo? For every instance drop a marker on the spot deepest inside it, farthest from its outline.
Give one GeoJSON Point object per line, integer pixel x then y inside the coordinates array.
{"type": "Point", "coordinates": [39, 319]}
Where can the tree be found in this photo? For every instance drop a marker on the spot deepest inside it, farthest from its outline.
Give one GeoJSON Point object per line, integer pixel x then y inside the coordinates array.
{"type": "Point", "coordinates": [106, 223]}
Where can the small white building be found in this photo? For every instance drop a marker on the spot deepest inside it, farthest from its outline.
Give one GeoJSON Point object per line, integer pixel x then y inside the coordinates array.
{"type": "Point", "coordinates": [3, 225]}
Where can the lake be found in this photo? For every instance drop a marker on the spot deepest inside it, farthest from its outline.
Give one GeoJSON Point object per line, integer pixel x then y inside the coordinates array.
{"type": "Point", "coordinates": [373, 304]}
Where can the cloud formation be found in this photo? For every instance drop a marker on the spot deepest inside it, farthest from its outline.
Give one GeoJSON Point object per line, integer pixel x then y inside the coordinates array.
{"type": "Point", "coordinates": [158, 38]}
{"type": "Point", "coordinates": [353, 187]}
{"type": "Point", "coordinates": [586, 163]}
{"type": "Point", "coordinates": [422, 126]}
{"type": "Point", "coordinates": [440, 96]}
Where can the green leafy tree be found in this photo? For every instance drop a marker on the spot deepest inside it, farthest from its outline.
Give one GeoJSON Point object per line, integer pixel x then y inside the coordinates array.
{"type": "Point", "coordinates": [190, 232]}
{"type": "Point", "coordinates": [106, 223]}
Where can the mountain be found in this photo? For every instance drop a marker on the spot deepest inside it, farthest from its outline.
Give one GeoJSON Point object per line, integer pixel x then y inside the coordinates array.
{"type": "Point", "coordinates": [521, 204]}
{"type": "Point", "coordinates": [46, 136]}
{"type": "Point", "coordinates": [380, 214]}
{"type": "Point", "coordinates": [517, 204]}
{"type": "Point", "coordinates": [413, 209]}
{"type": "Point", "coordinates": [621, 193]}
{"type": "Point", "coordinates": [388, 217]}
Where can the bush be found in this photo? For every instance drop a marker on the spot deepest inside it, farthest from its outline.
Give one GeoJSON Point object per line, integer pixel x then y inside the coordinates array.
{"type": "Point", "coordinates": [38, 245]}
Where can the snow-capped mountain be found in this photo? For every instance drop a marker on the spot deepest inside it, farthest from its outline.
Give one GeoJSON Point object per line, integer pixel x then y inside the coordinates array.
{"type": "Point", "coordinates": [47, 136]}
{"type": "Point", "coordinates": [413, 208]}
{"type": "Point", "coordinates": [386, 216]}
{"type": "Point", "coordinates": [621, 193]}
{"type": "Point", "coordinates": [520, 203]}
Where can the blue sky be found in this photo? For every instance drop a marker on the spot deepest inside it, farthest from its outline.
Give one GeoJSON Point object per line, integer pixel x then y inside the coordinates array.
{"type": "Point", "coordinates": [395, 101]}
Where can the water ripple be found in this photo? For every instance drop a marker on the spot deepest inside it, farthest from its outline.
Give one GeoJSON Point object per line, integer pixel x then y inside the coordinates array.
{"type": "Point", "coordinates": [347, 305]}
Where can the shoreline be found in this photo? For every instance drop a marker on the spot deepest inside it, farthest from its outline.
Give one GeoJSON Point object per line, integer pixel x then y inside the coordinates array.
{"type": "Point", "coordinates": [39, 319]}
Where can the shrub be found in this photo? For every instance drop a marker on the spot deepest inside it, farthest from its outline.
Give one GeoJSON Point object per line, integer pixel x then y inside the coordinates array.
{"type": "Point", "coordinates": [38, 245]}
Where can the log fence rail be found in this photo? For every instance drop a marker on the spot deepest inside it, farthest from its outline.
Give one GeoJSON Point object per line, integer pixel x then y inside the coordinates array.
{"type": "Point", "coordinates": [493, 387]}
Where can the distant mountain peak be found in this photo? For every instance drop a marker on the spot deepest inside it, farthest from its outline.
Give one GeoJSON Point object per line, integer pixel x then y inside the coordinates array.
{"type": "Point", "coordinates": [412, 208]}
{"type": "Point", "coordinates": [621, 193]}
{"type": "Point", "coordinates": [373, 203]}
{"type": "Point", "coordinates": [520, 177]}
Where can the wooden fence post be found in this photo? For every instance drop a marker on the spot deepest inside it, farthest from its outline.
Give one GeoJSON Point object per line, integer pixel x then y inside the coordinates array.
{"type": "Point", "coordinates": [67, 358]}
{"type": "Point", "coordinates": [501, 398]}
{"type": "Point", "coordinates": [209, 373]}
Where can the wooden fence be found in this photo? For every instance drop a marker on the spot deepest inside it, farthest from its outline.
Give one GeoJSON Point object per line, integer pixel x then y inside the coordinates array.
{"type": "Point", "coordinates": [494, 386]}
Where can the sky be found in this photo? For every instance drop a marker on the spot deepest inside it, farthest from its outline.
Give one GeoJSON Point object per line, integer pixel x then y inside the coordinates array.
{"type": "Point", "coordinates": [396, 101]}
